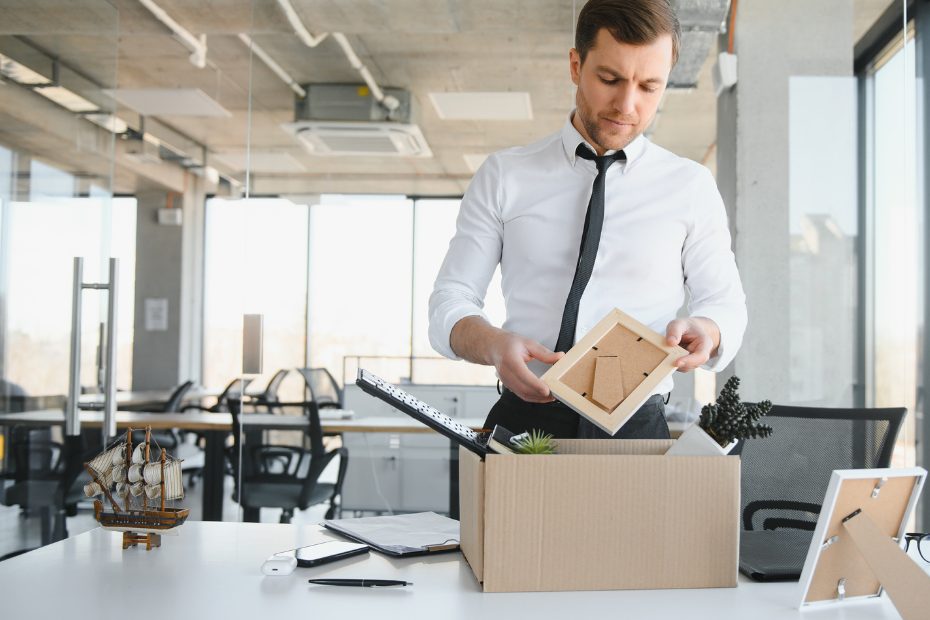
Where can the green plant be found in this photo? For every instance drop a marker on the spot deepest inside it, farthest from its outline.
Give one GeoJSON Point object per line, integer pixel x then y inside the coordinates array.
{"type": "Point", "coordinates": [730, 419]}
{"type": "Point", "coordinates": [536, 442]}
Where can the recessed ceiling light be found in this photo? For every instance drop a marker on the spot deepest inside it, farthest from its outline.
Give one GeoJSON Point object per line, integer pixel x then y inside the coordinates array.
{"type": "Point", "coordinates": [474, 160]}
{"type": "Point", "coordinates": [168, 101]}
{"type": "Point", "coordinates": [483, 106]}
{"type": "Point", "coordinates": [20, 73]}
{"type": "Point", "coordinates": [66, 98]}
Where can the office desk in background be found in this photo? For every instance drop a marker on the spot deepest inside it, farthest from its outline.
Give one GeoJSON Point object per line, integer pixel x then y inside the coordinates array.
{"type": "Point", "coordinates": [216, 426]}
{"type": "Point", "coordinates": [213, 570]}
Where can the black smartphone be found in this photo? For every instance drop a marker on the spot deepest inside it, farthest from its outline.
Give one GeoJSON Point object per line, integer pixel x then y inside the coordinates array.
{"type": "Point", "coordinates": [329, 551]}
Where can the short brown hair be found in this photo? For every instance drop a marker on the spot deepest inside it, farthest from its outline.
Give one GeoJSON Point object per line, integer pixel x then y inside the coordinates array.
{"type": "Point", "coordinates": [636, 22]}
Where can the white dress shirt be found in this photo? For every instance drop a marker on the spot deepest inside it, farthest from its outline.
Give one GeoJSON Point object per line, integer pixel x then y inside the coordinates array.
{"type": "Point", "coordinates": [665, 231]}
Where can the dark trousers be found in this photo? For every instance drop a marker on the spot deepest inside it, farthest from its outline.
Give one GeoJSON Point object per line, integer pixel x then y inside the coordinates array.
{"type": "Point", "coordinates": [518, 416]}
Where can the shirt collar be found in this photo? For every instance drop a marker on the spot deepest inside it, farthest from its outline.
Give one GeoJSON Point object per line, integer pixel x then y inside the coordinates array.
{"type": "Point", "coordinates": [571, 139]}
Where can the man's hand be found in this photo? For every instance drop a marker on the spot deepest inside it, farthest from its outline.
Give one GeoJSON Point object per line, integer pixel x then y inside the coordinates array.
{"type": "Point", "coordinates": [510, 353]}
{"type": "Point", "coordinates": [699, 335]}
{"type": "Point", "coordinates": [475, 340]}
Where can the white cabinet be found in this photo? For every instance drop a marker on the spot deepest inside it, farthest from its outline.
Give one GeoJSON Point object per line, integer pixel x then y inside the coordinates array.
{"type": "Point", "coordinates": [405, 472]}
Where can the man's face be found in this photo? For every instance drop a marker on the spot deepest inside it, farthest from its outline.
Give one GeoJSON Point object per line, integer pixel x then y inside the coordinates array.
{"type": "Point", "coordinates": [619, 88]}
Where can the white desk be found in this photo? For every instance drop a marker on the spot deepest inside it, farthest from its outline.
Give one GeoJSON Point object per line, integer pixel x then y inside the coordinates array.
{"type": "Point", "coordinates": [212, 570]}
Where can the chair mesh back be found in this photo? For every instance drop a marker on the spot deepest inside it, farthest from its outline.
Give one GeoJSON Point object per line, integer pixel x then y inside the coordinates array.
{"type": "Point", "coordinates": [324, 390]}
{"type": "Point", "coordinates": [794, 464]}
{"type": "Point", "coordinates": [177, 397]}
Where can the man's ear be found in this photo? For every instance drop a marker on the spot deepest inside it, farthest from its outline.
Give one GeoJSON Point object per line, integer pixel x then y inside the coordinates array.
{"type": "Point", "coordinates": [574, 63]}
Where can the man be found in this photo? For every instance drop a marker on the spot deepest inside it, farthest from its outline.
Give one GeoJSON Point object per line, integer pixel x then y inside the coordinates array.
{"type": "Point", "coordinates": [651, 226]}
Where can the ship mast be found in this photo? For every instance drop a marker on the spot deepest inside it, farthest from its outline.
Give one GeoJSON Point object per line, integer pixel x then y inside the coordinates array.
{"type": "Point", "coordinates": [148, 437]}
{"type": "Point", "coordinates": [162, 479]}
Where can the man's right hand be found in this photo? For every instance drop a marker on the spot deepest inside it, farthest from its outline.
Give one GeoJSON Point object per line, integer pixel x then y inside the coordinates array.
{"type": "Point", "coordinates": [477, 341]}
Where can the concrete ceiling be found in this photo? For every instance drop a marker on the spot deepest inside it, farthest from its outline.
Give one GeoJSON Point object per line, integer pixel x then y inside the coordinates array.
{"type": "Point", "coordinates": [420, 45]}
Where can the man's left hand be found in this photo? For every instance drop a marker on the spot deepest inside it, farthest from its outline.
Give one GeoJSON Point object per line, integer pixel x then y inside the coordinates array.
{"type": "Point", "coordinates": [699, 335]}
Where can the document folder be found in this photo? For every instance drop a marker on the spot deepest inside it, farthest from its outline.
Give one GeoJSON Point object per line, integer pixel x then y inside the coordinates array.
{"type": "Point", "coordinates": [401, 535]}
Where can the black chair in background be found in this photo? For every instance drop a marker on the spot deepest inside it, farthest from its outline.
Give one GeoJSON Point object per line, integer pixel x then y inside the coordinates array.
{"type": "Point", "coordinates": [230, 396]}
{"type": "Point", "coordinates": [44, 475]}
{"type": "Point", "coordinates": [233, 391]}
{"type": "Point", "coordinates": [324, 391]}
{"type": "Point", "coordinates": [165, 438]}
{"type": "Point", "coordinates": [785, 476]}
{"type": "Point", "coordinates": [269, 397]}
{"type": "Point", "coordinates": [286, 477]}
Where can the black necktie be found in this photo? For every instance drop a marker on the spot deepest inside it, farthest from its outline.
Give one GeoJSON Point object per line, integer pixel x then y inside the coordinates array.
{"type": "Point", "coordinates": [590, 238]}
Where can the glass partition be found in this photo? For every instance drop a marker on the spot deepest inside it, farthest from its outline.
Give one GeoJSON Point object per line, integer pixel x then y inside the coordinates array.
{"type": "Point", "coordinates": [57, 202]}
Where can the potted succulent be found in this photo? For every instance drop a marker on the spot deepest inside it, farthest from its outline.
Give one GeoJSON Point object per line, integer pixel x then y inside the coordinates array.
{"type": "Point", "coordinates": [723, 424]}
{"type": "Point", "coordinates": [535, 442]}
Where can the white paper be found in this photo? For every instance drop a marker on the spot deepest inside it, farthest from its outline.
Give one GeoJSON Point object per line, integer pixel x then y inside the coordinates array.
{"type": "Point", "coordinates": [156, 314]}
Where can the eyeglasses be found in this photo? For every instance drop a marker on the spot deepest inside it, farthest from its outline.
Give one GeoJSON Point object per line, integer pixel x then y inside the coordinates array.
{"type": "Point", "coordinates": [922, 541]}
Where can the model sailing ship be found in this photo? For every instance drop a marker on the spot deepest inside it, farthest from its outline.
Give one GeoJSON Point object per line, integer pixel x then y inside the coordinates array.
{"type": "Point", "coordinates": [135, 479]}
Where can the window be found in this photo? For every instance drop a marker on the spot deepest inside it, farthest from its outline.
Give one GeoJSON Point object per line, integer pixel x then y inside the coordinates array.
{"type": "Point", "coordinates": [255, 263]}
{"type": "Point", "coordinates": [46, 233]}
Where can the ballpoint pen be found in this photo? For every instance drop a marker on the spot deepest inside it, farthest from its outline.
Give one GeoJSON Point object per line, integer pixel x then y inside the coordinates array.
{"type": "Point", "coordinates": [360, 583]}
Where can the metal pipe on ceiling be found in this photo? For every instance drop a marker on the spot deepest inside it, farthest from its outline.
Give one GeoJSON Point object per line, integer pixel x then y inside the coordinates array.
{"type": "Point", "coordinates": [389, 102]}
{"type": "Point", "coordinates": [274, 66]}
{"type": "Point", "coordinates": [298, 26]}
{"type": "Point", "coordinates": [197, 45]}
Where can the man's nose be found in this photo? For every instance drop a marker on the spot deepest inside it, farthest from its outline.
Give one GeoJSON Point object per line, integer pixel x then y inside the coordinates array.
{"type": "Point", "coordinates": [625, 99]}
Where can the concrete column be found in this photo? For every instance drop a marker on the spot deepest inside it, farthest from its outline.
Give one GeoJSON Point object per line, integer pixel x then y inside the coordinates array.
{"type": "Point", "coordinates": [773, 41]}
{"type": "Point", "coordinates": [156, 352]}
{"type": "Point", "coordinates": [169, 266]}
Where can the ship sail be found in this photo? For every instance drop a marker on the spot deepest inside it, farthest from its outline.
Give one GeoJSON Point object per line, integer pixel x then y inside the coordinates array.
{"type": "Point", "coordinates": [152, 491]}
{"type": "Point", "coordinates": [118, 473]}
{"type": "Point", "coordinates": [103, 466]}
{"type": "Point", "coordinates": [136, 489]}
{"type": "Point", "coordinates": [138, 454]}
{"type": "Point", "coordinates": [135, 473]}
{"type": "Point", "coordinates": [122, 489]}
{"type": "Point", "coordinates": [174, 486]}
{"type": "Point", "coordinates": [103, 462]}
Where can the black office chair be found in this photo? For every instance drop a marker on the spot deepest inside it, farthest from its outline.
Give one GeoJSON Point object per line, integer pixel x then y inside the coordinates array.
{"type": "Point", "coordinates": [286, 477]}
{"type": "Point", "coordinates": [324, 390]}
{"type": "Point", "coordinates": [232, 392]}
{"type": "Point", "coordinates": [269, 398]}
{"type": "Point", "coordinates": [785, 476]}
{"type": "Point", "coordinates": [170, 438]}
{"type": "Point", "coordinates": [44, 475]}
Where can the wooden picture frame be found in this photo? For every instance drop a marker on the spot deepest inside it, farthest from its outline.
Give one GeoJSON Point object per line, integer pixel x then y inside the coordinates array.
{"type": "Point", "coordinates": [612, 370]}
{"type": "Point", "coordinates": [855, 553]}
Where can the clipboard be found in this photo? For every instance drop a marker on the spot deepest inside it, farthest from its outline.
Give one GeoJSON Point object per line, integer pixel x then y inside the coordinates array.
{"type": "Point", "coordinates": [400, 536]}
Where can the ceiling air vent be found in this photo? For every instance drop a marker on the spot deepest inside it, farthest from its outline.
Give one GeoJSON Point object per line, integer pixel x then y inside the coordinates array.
{"type": "Point", "coordinates": [345, 119]}
{"type": "Point", "coordinates": [371, 139]}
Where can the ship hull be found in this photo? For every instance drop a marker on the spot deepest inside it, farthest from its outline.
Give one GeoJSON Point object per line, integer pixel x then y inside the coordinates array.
{"type": "Point", "coordinates": [153, 521]}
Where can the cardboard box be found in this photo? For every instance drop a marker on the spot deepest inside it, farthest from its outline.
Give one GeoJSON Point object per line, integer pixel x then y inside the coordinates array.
{"type": "Point", "coordinates": [603, 514]}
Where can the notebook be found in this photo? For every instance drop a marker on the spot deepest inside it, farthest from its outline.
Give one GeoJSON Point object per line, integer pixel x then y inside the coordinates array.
{"type": "Point", "coordinates": [773, 555]}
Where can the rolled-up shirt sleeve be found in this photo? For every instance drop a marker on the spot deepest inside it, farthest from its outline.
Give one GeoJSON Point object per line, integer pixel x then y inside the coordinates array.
{"type": "Point", "coordinates": [473, 255]}
{"type": "Point", "coordinates": [710, 272]}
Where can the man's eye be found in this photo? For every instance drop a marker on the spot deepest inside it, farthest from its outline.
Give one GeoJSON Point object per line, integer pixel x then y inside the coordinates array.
{"type": "Point", "coordinates": [650, 90]}
{"type": "Point", "coordinates": [609, 82]}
